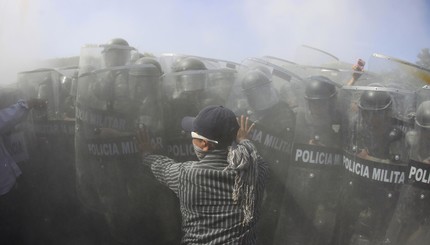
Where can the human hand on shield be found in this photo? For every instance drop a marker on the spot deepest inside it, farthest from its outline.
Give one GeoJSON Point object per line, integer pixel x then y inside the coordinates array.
{"type": "Point", "coordinates": [144, 141]}
{"type": "Point", "coordinates": [364, 153]}
{"type": "Point", "coordinates": [245, 128]}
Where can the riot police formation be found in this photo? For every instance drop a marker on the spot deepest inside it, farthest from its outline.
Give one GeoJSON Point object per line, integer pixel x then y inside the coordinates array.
{"type": "Point", "coordinates": [349, 164]}
{"type": "Point", "coordinates": [112, 102]}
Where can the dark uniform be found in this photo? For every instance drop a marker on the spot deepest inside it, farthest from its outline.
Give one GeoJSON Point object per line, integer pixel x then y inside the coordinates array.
{"type": "Point", "coordinates": [112, 102]}
{"type": "Point", "coordinates": [374, 164]}
{"type": "Point", "coordinates": [411, 220]}
{"type": "Point", "coordinates": [272, 135]}
{"type": "Point", "coordinates": [314, 175]}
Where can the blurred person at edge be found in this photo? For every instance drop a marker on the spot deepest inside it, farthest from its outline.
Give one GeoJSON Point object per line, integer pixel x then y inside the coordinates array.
{"type": "Point", "coordinates": [9, 117]}
{"type": "Point", "coordinates": [220, 195]}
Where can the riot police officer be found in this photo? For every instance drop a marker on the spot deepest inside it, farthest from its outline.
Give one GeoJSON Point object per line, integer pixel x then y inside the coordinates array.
{"type": "Point", "coordinates": [187, 91]}
{"type": "Point", "coordinates": [144, 81]}
{"type": "Point", "coordinates": [320, 114]}
{"type": "Point", "coordinates": [410, 221]}
{"type": "Point", "coordinates": [112, 89]}
{"type": "Point", "coordinates": [315, 184]}
{"type": "Point", "coordinates": [273, 135]}
{"type": "Point", "coordinates": [374, 161]}
{"type": "Point", "coordinates": [116, 52]}
{"type": "Point", "coordinates": [377, 132]}
{"type": "Point", "coordinates": [185, 94]}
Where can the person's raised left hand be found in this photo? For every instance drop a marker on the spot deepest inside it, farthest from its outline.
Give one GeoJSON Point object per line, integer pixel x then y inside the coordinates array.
{"type": "Point", "coordinates": [245, 128]}
{"type": "Point", "coordinates": [144, 141]}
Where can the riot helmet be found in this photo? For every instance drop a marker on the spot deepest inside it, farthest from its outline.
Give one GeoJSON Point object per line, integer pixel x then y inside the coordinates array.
{"type": "Point", "coordinates": [143, 80]}
{"type": "Point", "coordinates": [319, 88]}
{"type": "Point", "coordinates": [189, 63]}
{"type": "Point", "coordinates": [375, 108]}
{"type": "Point", "coordinates": [191, 75]}
{"type": "Point", "coordinates": [259, 90]}
{"type": "Point", "coordinates": [116, 52]}
{"type": "Point", "coordinates": [422, 117]}
{"type": "Point", "coordinates": [149, 60]}
{"type": "Point", "coordinates": [372, 100]}
{"type": "Point", "coordinates": [320, 94]}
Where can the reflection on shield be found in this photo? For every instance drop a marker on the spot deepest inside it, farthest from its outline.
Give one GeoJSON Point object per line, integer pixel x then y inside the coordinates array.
{"type": "Point", "coordinates": [315, 174]}
{"type": "Point", "coordinates": [112, 103]}
{"type": "Point", "coordinates": [374, 161]}
{"type": "Point", "coordinates": [185, 93]}
{"type": "Point", "coordinates": [256, 94]}
{"type": "Point", "coordinates": [410, 222]}
{"type": "Point", "coordinates": [48, 138]}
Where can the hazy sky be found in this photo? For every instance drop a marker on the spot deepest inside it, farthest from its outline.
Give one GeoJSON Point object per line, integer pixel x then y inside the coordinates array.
{"type": "Point", "coordinates": [224, 29]}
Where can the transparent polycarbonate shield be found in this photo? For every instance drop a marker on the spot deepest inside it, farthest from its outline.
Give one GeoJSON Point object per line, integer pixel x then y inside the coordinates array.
{"type": "Point", "coordinates": [43, 84]}
{"type": "Point", "coordinates": [314, 174]}
{"type": "Point", "coordinates": [169, 60]}
{"type": "Point", "coordinates": [90, 58]}
{"type": "Point", "coordinates": [185, 94]}
{"type": "Point", "coordinates": [285, 81]}
{"type": "Point", "coordinates": [374, 162]}
{"type": "Point", "coordinates": [409, 224]}
{"type": "Point", "coordinates": [312, 56]}
{"type": "Point", "coordinates": [420, 136]}
{"type": "Point", "coordinates": [399, 71]}
{"type": "Point", "coordinates": [256, 94]}
{"type": "Point", "coordinates": [112, 104]}
{"type": "Point", "coordinates": [340, 73]}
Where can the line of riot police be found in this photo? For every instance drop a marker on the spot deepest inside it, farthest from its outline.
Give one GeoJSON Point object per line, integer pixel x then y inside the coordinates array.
{"type": "Point", "coordinates": [348, 161]}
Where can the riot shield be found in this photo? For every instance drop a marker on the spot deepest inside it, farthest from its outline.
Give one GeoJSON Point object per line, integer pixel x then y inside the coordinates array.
{"type": "Point", "coordinates": [256, 94]}
{"type": "Point", "coordinates": [111, 104]}
{"type": "Point", "coordinates": [315, 172]}
{"type": "Point", "coordinates": [168, 62]}
{"type": "Point", "coordinates": [42, 84]}
{"type": "Point", "coordinates": [374, 162]}
{"type": "Point", "coordinates": [49, 139]}
{"type": "Point", "coordinates": [312, 56]}
{"type": "Point", "coordinates": [68, 88]}
{"type": "Point", "coordinates": [393, 70]}
{"type": "Point", "coordinates": [410, 222]}
{"type": "Point", "coordinates": [16, 141]}
{"type": "Point", "coordinates": [185, 94]}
